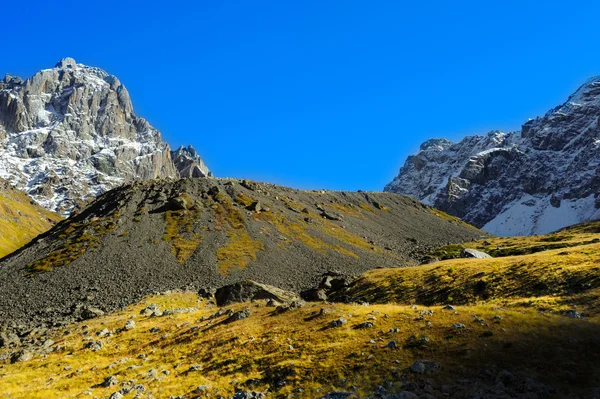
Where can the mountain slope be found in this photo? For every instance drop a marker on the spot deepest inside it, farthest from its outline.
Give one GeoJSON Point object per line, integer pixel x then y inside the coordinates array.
{"type": "Point", "coordinates": [69, 133]}
{"type": "Point", "coordinates": [534, 181]}
{"type": "Point", "coordinates": [21, 219]}
{"type": "Point", "coordinates": [159, 235]}
{"type": "Point", "coordinates": [518, 327]}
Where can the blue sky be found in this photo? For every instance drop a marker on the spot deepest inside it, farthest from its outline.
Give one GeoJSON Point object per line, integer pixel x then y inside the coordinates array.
{"type": "Point", "coordinates": [317, 94]}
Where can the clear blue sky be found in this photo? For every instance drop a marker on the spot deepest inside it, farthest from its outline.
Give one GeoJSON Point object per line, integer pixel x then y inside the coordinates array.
{"type": "Point", "coordinates": [317, 94]}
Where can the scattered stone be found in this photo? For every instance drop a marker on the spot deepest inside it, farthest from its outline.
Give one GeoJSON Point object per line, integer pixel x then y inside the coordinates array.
{"type": "Point", "coordinates": [403, 395]}
{"type": "Point", "coordinates": [272, 303]}
{"type": "Point", "coordinates": [21, 356]}
{"type": "Point", "coordinates": [473, 253]}
{"type": "Point", "coordinates": [239, 315]}
{"type": "Point", "coordinates": [202, 389]}
{"type": "Point", "coordinates": [206, 293]}
{"type": "Point", "coordinates": [424, 366]}
{"type": "Point", "coordinates": [154, 330]}
{"type": "Point", "coordinates": [458, 326]}
{"type": "Point", "coordinates": [255, 207]}
{"type": "Point", "coordinates": [103, 333]}
{"type": "Point", "coordinates": [449, 307]}
{"type": "Point", "coordinates": [109, 381]}
{"type": "Point", "coordinates": [248, 395]}
{"type": "Point", "coordinates": [93, 345]}
{"type": "Point", "coordinates": [9, 338]}
{"type": "Point", "coordinates": [248, 290]}
{"type": "Point", "coordinates": [147, 311]}
{"type": "Point", "coordinates": [314, 295]}
{"type": "Point", "coordinates": [366, 324]}
{"type": "Point", "coordinates": [573, 314]}
{"type": "Point", "coordinates": [392, 345]}
{"type": "Point", "coordinates": [337, 323]}
{"type": "Point", "coordinates": [293, 305]}
{"type": "Point", "coordinates": [116, 395]}
{"type": "Point", "coordinates": [130, 325]}
{"type": "Point", "coordinates": [88, 312]}
{"type": "Point", "coordinates": [394, 330]}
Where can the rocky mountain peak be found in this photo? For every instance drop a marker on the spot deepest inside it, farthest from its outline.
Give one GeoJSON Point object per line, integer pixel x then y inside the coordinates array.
{"type": "Point", "coordinates": [188, 163]}
{"type": "Point", "coordinates": [66, 63]}
{"type": "Point", "coordinates": [533, 181]}
{"type": "Point", "coordinates": [69, 133]}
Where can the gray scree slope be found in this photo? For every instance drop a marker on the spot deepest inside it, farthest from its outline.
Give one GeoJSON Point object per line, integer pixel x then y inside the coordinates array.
{"type": "Point", "coordinates": [158, 235]}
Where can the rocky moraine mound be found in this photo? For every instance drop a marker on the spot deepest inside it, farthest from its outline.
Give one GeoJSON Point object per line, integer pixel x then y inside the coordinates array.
{"type": "Point", "coordinates": [153, 236]}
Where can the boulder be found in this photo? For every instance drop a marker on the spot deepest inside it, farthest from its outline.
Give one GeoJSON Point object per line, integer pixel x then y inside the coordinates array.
{"type": "Point", "coordinates": [424, 367]}
{"type": "Point", "coordinates": [9, 338]}
{"type": "Point", "coordinates": [248, 395]}
{"type": "Point", "coordinates": [21, 356]}
{"type": "Point", "coordinates": [473, 253]}
{"type": "Point", "coordinates": [248, 290]}
{"type": "Point", "coordinates": [89, 312]}
{"type": "Point", "coordinates": [239, 315]}
{"type": "Point", "coordinates": [314, 295]}
{"type": "Point", "coordinates": [206, 293]}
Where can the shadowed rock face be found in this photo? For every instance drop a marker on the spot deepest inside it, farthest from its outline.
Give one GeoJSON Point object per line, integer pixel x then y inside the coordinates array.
{"type": "Point", "coordinates": [533, 181]}
{"type": "Point", "coordinates": [158, 235]}
{"type": "Point", "coordinates": [69, 133]}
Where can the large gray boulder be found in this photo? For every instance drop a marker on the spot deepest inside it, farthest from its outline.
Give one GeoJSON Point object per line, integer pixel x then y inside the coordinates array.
{"type": "Point", "coordinates": [248, 290]}
{"type": "Point", "coordinates": [473, 253]}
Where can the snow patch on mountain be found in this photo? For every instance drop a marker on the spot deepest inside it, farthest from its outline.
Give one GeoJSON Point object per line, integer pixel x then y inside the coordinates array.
{"type": "Point", "coordinates": [544, 177]}
{"type": "Point", "coordinates": [69, 133]}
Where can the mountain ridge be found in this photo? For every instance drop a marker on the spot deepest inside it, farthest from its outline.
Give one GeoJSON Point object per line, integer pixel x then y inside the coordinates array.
{"type": "Point", "coordinates": [533, 181]}
{"type": "Point", "coordinates": [69, 133]}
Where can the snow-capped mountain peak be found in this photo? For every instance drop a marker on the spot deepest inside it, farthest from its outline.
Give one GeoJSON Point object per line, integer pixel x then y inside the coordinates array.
{"type": "Point", "coordinates": [69, 133]}
{"type": "Point", "coordinates": [533, 181]}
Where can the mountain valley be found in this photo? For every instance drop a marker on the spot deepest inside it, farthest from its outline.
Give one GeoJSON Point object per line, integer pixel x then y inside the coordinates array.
{"type": "Point", "coordinates": [129, 271]}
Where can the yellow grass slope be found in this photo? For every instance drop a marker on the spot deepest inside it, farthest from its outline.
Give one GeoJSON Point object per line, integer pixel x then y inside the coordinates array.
{"type": "Point", "coordinates": [20, 219]}
{"type": "Point", "coordinates": [512, 309]}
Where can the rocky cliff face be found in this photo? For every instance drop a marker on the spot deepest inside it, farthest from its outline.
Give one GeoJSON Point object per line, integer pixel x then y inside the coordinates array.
{"type": "Point", "coordinates": [69, 133]}
{"type": "Point", "coordinates": [532, 181]}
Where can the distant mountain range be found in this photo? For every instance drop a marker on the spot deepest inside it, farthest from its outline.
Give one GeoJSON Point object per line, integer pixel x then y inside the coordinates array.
{"type": "Point", "coordinates": [69, 133]}
{"type": "Point", "coordinates": [544, 177]}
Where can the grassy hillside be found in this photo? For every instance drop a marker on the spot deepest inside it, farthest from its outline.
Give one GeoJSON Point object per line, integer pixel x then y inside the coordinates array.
{"type": "Point", "coordinates": [166, 234]}
{"type": "Point", "coordinates": [509, 334]}
{"type": "Point", "coordinates": [20, 219]}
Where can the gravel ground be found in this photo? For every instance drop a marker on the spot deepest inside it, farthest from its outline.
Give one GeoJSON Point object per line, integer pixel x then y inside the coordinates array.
{"type": "Point", "coordinates": [128, 257]}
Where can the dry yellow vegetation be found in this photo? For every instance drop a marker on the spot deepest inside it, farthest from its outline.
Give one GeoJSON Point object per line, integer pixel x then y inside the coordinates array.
{"type": "Point", "coordinates": [21, 219]}
{"type": "Point", "coordinates": [512, 311]}
{"type": "Point", "coordinates": [190, 350]}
